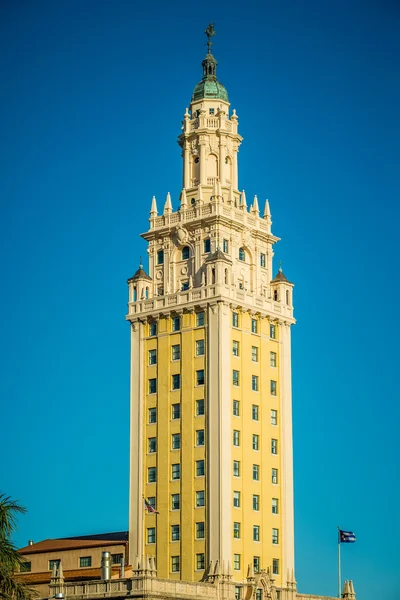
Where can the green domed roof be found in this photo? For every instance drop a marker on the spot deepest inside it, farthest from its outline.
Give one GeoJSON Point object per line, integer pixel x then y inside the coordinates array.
{"type": "Point", "coordinates": [210, 88]}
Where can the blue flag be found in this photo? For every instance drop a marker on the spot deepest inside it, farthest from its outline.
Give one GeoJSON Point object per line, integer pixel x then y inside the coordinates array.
{"type": "Point", "coordinates": [346, 537]}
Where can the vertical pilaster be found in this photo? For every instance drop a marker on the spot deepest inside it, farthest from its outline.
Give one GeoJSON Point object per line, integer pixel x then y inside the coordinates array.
{"type": "Point", "coordinates": [136, 446]}
{"type": "Point", "coordinates": [287, 449]}
{"type": "Point", "coordinates": [219, 469]}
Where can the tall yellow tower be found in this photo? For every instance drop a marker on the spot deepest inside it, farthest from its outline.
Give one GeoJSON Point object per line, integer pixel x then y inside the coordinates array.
{"type": "Point", "coordinates": [211, 417]}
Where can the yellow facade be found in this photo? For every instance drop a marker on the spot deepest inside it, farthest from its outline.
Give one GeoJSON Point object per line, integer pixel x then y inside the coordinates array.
{"type": "Point", "coordinates": [211, 370]}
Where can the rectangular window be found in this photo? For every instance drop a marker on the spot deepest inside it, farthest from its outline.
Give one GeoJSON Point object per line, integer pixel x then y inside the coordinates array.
{"type": "Point", "coordinates": [116, 559]}
{"type": "Point", "coordinates": [207, 245]}
{"type": "Point", "coordinates": [85, 561]}
{"type": "Point", "coordinates": [236, 409]}
{"type": "Point", "coordinates": [274, 446]}
{"type": "Point", "coordinates": [200, 377]}
{"type": "Point", "coordinates": [274, 417]}
{"type": "Point", "coordinates": [275, 566]}
{"type": "Point", "coordinates": [275, 536]}
{"type": "Point", "coordinates": [176, 323]}
{"type": "Point", "coordinates": [199, 468]}
{"type": "Point", "coordinates": [160, 290]}
{"type": "Point", "coordinates": [254, 326]}
{"type": "Point", "coordinates": [256, 502]}
{"type": "Point", "coordinates": [200, 498]}
{"type": "Point", "coordinates": [176, 411]}
{"type": "Point", "coordinates": [236, 530]}
{"type": "Point", "coordinates": [236, 562]}
{"type": "Point", "coordinates": [152, 445]}
{"type": "Point", "coordinates": [225, 246]}
{"type": "Point", "coordinates": [200, 348]}
{"type": "Point", "coordinates": [254, 353]}
{"type": "Point", "coordinates": [199, 408]}
{"type": "Point", "coordinates": [275, 506]}
{"type": "Point", "coordinates": [256, 440]}
{"type": "Point", "coordinates": [152, 501]}
{"type": "Point", "coordinates": [256, 472]}
{"type": "Point", "coordinates": [211, 111]}
{"type": "Point", "coordinates": [235, 319]}
{"type": "Point", "coordinates": [160, 257]}
{"type": "Point", "coordinates": [152, 415]}
{"type": "Point", "coordinates": [175, 501]}
{"type": "Point", "coordinates": [200, 437]}
{"type": "Point", "coordinates": [274, 475]}
{"type": "Point", "coordinates": [152, 386]}
{"type": "Point", "coordinates": [152, 357]}
{"type": "Point", "coordinates": [236, 499]}
{"type": "Point", "coordinates": [236, 437]}
{"type": "Point", "coordinates": [176, 381]}
{"type": "Point", "coordinates": [151, 535]}
{"type": "Point", "coordinates": [235, 378]}
{"type": "Point", "coordinates": [259, 594]}
{"type": "Point", "coordinates": [256, 533]}
{"type": "Point", "coordinates": [176, 352]}
{"type": "Point", "coordinates": [152, 475]}
{"type": "Point", "coordinates": [254, 412]}
{"type": "Point", "coordinates": [262, 260]}
{"type": "Point", "coordinates": [200, 530]}
{"type": "Point", "coordinates": [256, 564]}
{"type": "Point", "coordinates": [273, 387]}
{"type": "Point", "coordinates": [175, 533]}
{"type": "Point", "coordinates": [200, 561]}
{"type": "Point", "coordinates": [176, 441]}
{"type": "Point", "coordinates": [175, 564]}
{"type": "Point", "coordinates": [200, 319]}
{"type": "Point", "coordinates": [236, 468]}
{"type": "Point", "coordinates": [184, 286]}
{"type": "Point", "coordinates": [238, 592]}
{"type": "Point", "coordinates": [272, 332]}
{"type": "Point", "coordinates": [235, 348]}
{"type": "Point", "coordinates": [153, 328]}
{"type": "Point", "coordinates": [254, 383]}
{"type": "Point", "coordinates": [55, 562]}
{"type": "Point", "coordinates": [272, 359]}
{"type": "Point", "coordinates": [176, 471]}
{"type": "Point", "coordinates": [25, 567]}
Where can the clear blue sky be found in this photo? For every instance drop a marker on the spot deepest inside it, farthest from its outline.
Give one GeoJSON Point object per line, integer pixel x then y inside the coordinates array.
{"type": "Point", "coordinates": [93, 94]}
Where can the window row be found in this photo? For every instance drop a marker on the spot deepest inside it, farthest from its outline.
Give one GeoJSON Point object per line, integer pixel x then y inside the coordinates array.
{"type": "Point", "coordinates": [176, 352]}
{"type": "Point", "coordinates": [176, 563]}
{"type": "Point", "coordinates": [84, 561]}
{"type": "Point", "coordinates": [255, 382]}
{"type": "Point", "coordinates": [256, 566]}
{"type": "Point", "coordinates": [176, 323]}
{"type": "Point", "coordinates": [237, 528]}
{"type": "Point", "coordinates": [255, 441]}
{"type": "Point", "coordinates": [237, 499]}
{"type": "Point", "coordinates": [254, 353]}
{"type": "Point", "coordinates": [254, 325]}
{"type": "Point", "coordinates": [175, 441]}
{"type": "Point", "coordinates": [176, 411]}
{"type": "Point", "coordinates": [176, 381]}
{"type": "Point", "coordinates": [185, 252]}
{"type": "Point", "coordinates": [175, 533]}
{"type": "Point", "coordinates": [256, 472]}
{"type": "Point", "coordinates": [255, 412]}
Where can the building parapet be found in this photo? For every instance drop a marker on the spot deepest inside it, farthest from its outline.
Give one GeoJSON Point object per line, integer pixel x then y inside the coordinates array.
{"type": "Point", "coordinates": [212, 292]}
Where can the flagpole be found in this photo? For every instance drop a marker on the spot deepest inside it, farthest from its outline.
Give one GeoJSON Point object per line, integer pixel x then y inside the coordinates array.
{"type": "Point", "coordinates": [339, 582]}
{"type": "Point", "coordinates": [143, 560]}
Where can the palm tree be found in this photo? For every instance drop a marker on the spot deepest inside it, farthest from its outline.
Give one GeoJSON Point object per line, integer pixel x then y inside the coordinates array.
{"type": "Point", "coordinates": [10, 558]}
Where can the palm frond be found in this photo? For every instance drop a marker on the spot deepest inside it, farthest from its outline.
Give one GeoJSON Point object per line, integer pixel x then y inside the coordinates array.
{"type": "Point", "coordinates": [9, 510]}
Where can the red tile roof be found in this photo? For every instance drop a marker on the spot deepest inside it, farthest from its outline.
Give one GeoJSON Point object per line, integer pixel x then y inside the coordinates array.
{"type": "Point", "coordinates": [69, 544]}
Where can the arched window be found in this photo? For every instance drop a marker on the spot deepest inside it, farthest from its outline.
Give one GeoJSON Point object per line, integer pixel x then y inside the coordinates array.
{"type": "Point", "coordinates": [276, 295]}
{"type": "Point", "coordinates": [147, 293]}
{"type": "Point", "coordinates": [134, 294]}
{"type": "Point", "coordinates": [185, 253]}
{"type": "Point", "coordinates": [242, 255]}
{"type": "Point", "coordinates": [226, 276]}
{"type": "Point", "coordinates": [287, 297]}
{"type": "Point", "coordinates": [213, 275]}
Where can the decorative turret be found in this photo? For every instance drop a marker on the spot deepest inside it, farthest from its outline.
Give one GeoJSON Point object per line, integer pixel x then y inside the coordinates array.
{"type": "Point", "coordinates": [140, 287]}
{"type": "Point", "coordinates": [243, 201]}
{"type": "Point", "coordinates": [282, 289]}
{"type": "Point", "coordinates": [153, 209]}
{"type": "Point", "coordinates": [348, 590]}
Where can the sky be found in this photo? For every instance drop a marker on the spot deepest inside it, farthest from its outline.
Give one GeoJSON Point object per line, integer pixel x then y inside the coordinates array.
{"type": "Point", "coordinates": [93, 94]}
